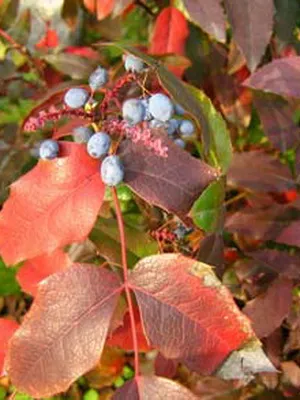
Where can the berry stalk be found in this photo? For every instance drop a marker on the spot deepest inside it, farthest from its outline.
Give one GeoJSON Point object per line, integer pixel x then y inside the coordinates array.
{"type": "Point", "coordinates": [125, 275]}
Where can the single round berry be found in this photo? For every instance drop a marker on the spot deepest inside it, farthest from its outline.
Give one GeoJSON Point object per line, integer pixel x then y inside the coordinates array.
{"type": "Point", "coordinates": [180, 142]}
{"type": "Point", "coordinates": [161, 107]}
{"type": "Point", "coordinates": [133, 111]}
{"type": "Point", "coordinates": [187, 128]}
{"type": "Point", "coordinates": [82, 134]}
{"type": "Point", "coordinates": [112, 170]}
{"type": "Point", "coordinates": [48, 149]}
{"type": "Point", "coordinates": [98, 145]}
{"type": "Point", "coordinates": [179, 110]}
{"type": "Point", "coordinates": [173, 125]}
{"type": "Point", "coordinates": [133, 64]}
{"type": "Point", "coordinates": [76, 97]}
{"type": "Point", "coordinates": [98, 78]}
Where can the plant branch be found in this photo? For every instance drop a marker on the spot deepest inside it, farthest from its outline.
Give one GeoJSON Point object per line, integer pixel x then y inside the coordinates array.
{"type": "Point", "coordinates": [125, 274]}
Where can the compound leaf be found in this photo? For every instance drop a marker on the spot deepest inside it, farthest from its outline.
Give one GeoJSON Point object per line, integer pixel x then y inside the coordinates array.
{"type": "Point", "coordinates": [65, 330]}
{"type": "Point", "coordinates": [55, 204]}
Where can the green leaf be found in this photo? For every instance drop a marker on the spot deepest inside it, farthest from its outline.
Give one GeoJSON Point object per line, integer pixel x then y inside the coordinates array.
{"type": "Point", "coordinates": [208, 210]}
{"type": "Point", "coordinates": [220, 143]}
{"type": "Point", "coordinates": [215, 135]}
{"type": "Point", "coordinates": [105, 236]}
{"type": "Point", "coordinates": [8, 282]}
{"type": "Point", "coordinates": [72, 65]}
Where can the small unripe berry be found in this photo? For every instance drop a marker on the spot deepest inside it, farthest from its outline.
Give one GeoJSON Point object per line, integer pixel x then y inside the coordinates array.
{"type": "Point", "coordinates": [179, 110]}
{"type": "Point", "coordinates": [98, 145]}
{"type": "Point", "coordinates": [161, 107]}
{"type": "Point", "coordinates": [98, 78]}
{"type": "Point", "coordinates": [82, 134]}
{"type": "Point", "coordinates": [180, 142]}
{"type": "Point", "coordinates": [76, 97]}
{"type": "Point", "coordinates": [187, 128]}
{"type": "Point", "coordinates": [133, 64]}
{"type": "Point", "coordinates": [133, 111]}
{"type": "Point", "coordinates": [173, 125]}
{"type": "Point", "coordinates": [112, 170]}
{"type": "Point", "coordinates": [48, 149]}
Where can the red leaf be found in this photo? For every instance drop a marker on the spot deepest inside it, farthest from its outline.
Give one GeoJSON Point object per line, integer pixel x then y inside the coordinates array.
{"type": "Point", "coordinates": [67, 128]}
{"type": "Point", "coordinates": [39, 268]}
{"type": "Point", "coordinates": [209, 14]}
{"type": "Point", "coordinates": [165, 367]}
{"type": "Point", "coordinates": [7, 329]}
{"type": "Point", "coordinates": [256, 170]}
{"type": "Point", "coordinates": [170, 32]}
{"type": "Point", "coordinates": [290, 235]}
{"type": "Point", "coordinates": [65, 330]}
{"type": "Point", "coordinates": [82, 52]}
{"type": "Point", "coordinates": [49, 41]}
{"type": "Point", "coordinates": [179, 295]}
{"type": "Point", "coordinates": [268, 310]}
{"type": "Point", "coordinates": [154, 388]}
{"type": "Point", "coordinates": [252, 23]}
{"type": "Point", "coordinates": [172, 183]}
{"type": "Point", "coordinates": [280, 77]}
{"type": "Point", "coordinates": [122, 336]}
{"type": "Point", "coordinates": [101, 7]}
{"type": "Point", "coordinates": [54, 204]}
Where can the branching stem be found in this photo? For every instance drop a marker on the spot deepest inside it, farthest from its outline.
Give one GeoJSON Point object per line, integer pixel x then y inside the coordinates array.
{"type": "Point", "coordinates": [125, 274]}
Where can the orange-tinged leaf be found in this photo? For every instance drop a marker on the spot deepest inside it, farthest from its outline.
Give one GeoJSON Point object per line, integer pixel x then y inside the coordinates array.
{"type": "Point", "coordinates": [50, 40]}
{"type": "Point", "coordinates": [122, 336]}
{"type": "Point", "coordinates": [170, 32]}
{"type": "Point", "coordinates": [63, 335]}
{"type": "Point", "coordinates": [54, 204]}
{"type": "Point", "coordinates": [179, 295]}
{"type": "Point", "coordinates": [102, 8]}
{"type": "Point", "coordinates": [7, 329]}
{"type": "Point", "coordinates": [37, 269]}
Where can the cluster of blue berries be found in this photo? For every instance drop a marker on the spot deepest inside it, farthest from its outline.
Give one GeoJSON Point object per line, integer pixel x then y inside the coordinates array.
{"type": "Point", "coordinates": [98, 143]}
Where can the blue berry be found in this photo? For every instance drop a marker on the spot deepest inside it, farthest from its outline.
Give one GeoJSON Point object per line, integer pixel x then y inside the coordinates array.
{"type": "Point", "coordinates": [179, 110]}
{"type": "Point", "coordinates": [134, 64]}
{"type": "Point", "coordinates": [133, 111]}
{"type": "Point", "coordinates": [180, 142]}
{"type": "Point", "coordinates": [48, 149]}
{"type": "Point", "coordinates": [187, 128]}
{"type": "Point", "coordinates": [98, 78]}
{"type": "Point", "coordinates": [173, 125]}
{"type": "Point", "coordinates": [112, 171]}
{"type": "Point", "coordinates": [98, 145]}
{"type": "Point", "coordinates": [161, 107]}
{"type": "Point", "coordinates": [82, 134]}
{"type": "Point", "coordinates": [156, 124]}
{"type": "Point", "coordinates": [76, 97]}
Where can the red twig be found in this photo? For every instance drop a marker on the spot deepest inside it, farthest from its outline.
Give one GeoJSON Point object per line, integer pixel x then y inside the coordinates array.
{"type": "Point", "coordinates": [125, 274]}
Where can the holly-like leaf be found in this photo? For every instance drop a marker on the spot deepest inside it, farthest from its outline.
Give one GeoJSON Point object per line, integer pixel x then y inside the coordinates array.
{"type": "Point", "coordinates": [256, 170]}
{"type": "Point", "coordinates": [172, 183]}
{"type": "Point", "coordinates": [154, 388]}
{"type": "Point", "coordinates": [279, 76]}
{"type": "Point", "coordinates": [290, 235]}
{"type": "Point", "coordinates": [175, 291]}
{"type": "Point", "coordinates": [55, 204]}
{"type": "Point", "coordinates": [267, 311]}
{"type": "Point", "coordinates": [252, 23]}
{"type": "Point", "coordinates": [35, 270]}
{"type": "Point", "coordinates": [208, 210]}
{"type": "Point", "coordinates": [105, 235]}
{"type": "Point", "coordinates": [65, 330]}
{"type": "Point", "coordinates": [276, 115]}
{"type": "Point", "coordinates": [7, 329]}
{"type": "Point", "coordinates": [9, 284]}
{"type": "Point", "coordinates": [70, 64]}
{"type": "Point", "coordinates": [122, 336]}
{"type": "Point", "coordinates": [209, 14]}
{"type": "Point", "coordinates": [170, 32]}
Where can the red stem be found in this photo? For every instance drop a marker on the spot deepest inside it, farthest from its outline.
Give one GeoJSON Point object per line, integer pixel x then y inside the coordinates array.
{"type": "Point", "coordinates": [126, 285]}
